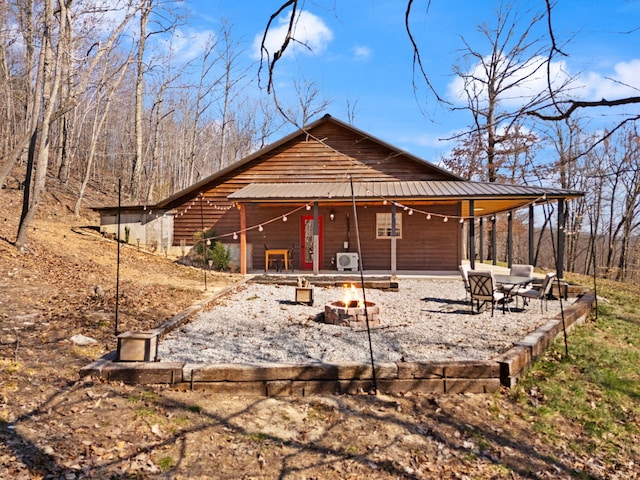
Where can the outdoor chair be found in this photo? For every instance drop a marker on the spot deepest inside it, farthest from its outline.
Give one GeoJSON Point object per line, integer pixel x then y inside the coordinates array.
{"type": "Point", "coordinates": [291, 257]}
{"type": "Point", "coordinates": [517, 270]}
{"type": "Point", "coordinates": [483, 289]}
{"type": "Point", "coordinates": [464, 270]}
{"type": "Point", "coordinates": [538, 291]}
{"type": "Point", "coordinates": [521, 270]}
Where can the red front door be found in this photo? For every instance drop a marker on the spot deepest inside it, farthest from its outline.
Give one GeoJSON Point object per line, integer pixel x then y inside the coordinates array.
{"type": "Point", "coordinates": [306, 242]}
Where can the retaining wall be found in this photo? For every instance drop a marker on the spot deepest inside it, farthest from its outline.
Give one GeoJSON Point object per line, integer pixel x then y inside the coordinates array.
{"type": "Point", "coordinates": [347, 378]}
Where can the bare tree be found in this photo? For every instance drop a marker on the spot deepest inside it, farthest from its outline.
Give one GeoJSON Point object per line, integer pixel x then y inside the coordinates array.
{"type": "Point", "coordinates": [554, 107]}
{"type": "Point", "coordinates": [491, 79]}
{"type": "Point", "coordinates": [48, 78]}
{"type": "Point", "coordinates": [135, 180]}
{"type": "Point", "coordinates": [466, 159]}
{"type": "Point", "coordinates": [45, 105]}
{"type": "Point", "coordinates": [104, 96]}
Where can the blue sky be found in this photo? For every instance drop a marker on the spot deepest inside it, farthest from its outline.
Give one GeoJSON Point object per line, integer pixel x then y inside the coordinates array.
{"type": "Point", "coordinates": [361, 55]}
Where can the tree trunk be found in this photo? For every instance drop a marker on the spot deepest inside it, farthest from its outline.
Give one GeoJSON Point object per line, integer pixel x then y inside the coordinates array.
{"type": "Point", "coordinates": [39, 146]}
{"type": "Point", "coordinates": [136, 170]}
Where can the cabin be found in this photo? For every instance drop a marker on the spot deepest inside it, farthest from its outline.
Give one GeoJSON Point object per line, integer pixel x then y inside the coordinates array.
{"type": "Point", "coordinates": [330, 197]}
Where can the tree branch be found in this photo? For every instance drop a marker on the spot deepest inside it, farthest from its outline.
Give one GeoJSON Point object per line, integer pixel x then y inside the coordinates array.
{"type": "Point", "coordinates": [576, 104]}
{"type": "Point", "coordinates": [417, 59]}
{"type": "Point", "coordinates": [285, 43]}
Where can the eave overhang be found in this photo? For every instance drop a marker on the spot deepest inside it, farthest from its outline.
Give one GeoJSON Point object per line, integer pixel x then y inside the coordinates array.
{"type": "Point", "coordinates": [489, 198]}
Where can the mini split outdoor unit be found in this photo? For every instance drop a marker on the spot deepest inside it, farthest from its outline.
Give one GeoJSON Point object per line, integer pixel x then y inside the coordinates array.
{"type": "Point", "coordinates": [347, 261]}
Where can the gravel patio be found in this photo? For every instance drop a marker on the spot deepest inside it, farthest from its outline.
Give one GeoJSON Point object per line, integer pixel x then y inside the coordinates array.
{"type": "Point", "coordinates": [425, 320]}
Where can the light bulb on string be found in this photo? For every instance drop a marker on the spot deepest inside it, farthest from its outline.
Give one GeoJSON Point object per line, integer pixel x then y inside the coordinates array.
{"type": "Point", "coordinates": [446, 219]}
{"type": "Point", "coordinates": [428, 216]}
{"type": "Point", "coordinates": [260, 228]}
{"type": "Point", "coordinates": [235, 236]}
{"type": "Point", "coordinates": [384, 202]}
{"type": "Point", "coordinates": [284, 218]}
{"type": "Point", "coordinates": [410, 212]}
{"type": "Point", "coordinates": [461, 220]}
{"type": "Point", "coordinates": [308, 207]}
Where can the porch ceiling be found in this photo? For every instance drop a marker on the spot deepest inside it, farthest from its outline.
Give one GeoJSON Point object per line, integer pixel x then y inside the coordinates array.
{"type": "Point", "coordinates": [489, 198]}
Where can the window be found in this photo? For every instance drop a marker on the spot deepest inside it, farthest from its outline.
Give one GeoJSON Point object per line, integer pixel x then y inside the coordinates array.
{"type": "Point", "coordinates": [383, 225]}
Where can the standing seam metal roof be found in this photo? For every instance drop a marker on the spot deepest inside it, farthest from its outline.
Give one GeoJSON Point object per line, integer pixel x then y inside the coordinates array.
{"type": "Point", "coordinates": [409, 189]}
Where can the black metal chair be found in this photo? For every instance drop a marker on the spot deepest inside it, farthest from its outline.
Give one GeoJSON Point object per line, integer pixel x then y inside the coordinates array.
{"type": "Point", "coordinates": [291, 253]}
{"type": "Point", "coordinates": [483, 289]}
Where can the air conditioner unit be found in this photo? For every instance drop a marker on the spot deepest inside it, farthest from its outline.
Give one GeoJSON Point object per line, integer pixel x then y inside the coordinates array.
{"type": "Point", "coordinates": [347, 261]}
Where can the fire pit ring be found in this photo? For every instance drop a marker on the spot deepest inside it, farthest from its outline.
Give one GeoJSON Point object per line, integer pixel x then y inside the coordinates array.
{"type": "Point", "coordinates": [353, 314]}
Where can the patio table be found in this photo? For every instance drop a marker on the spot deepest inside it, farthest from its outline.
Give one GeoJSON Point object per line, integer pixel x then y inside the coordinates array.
{"type": "Point", "coordinates": [508, 283]}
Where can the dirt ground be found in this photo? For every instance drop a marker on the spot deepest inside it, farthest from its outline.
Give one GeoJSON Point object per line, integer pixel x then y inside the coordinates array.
{"type": "Point", "coordinates": [55, 425]}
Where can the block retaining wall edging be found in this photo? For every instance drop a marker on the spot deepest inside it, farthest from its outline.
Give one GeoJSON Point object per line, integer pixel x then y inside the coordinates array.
{"type": "Point", "coordinates": [279, 379]}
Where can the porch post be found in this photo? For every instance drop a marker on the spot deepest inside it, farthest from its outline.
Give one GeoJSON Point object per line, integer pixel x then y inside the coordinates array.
{"type": "Point", "coordinates": [481, 227]}
{"type": "Point", "coordinates": [394, 263]}
{"type": "Point", "coordinates": [243, 238]}
{"type": "Point", "coordinates": [510, 239]}
{"type": "Point", "coordinates": [493, 240]}
{"type": "Point", "coordinates": [561, 233]}
{"type": "Point", "coordinates": [316, 239]}
{"type": "Point", "coordinates": [531, 234]}
{"type": "Point", "coordinates": [472, 235]}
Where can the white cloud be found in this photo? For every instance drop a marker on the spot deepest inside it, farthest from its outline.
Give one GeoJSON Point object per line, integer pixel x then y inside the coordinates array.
{"type": "Point", "coordinates": [362, 53]}
{"type": "Point", "coordinates": [624, 81]}
{"type": "Point", "coordinates": [188, 44]}
{"type": "Point", "coordinates": [528, 79]}
{"type": "Point", "coordinates": [311, 34]}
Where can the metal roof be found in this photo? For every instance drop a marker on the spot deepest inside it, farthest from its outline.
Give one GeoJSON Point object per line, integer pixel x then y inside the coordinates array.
{"type": "Point", "coordinates": [488, 197]}
{"type": "Point", "coordinates": [423, 190]}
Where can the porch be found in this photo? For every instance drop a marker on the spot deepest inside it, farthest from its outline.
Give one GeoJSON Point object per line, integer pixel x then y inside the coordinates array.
{"type": "Point", "coordinates": [388, 227]}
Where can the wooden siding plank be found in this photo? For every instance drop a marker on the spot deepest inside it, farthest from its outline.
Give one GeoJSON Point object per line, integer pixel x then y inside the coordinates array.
{"type": "Point", "coordinates": [307, 160]}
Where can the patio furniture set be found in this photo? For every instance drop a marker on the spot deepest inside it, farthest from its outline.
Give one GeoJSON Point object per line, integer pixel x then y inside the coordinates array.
{"type": "Point", "coordinates": [485, 287]}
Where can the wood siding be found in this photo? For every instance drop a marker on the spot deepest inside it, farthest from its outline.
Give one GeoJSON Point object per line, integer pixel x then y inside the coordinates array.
{"type": "Point", "coordinates": [300, 160]}
{"type": "Point", "coordinates": [426, 245]}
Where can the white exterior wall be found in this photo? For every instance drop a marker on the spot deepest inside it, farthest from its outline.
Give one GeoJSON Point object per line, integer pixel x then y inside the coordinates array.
{"type": "Point", "coordinates": [153, 231]}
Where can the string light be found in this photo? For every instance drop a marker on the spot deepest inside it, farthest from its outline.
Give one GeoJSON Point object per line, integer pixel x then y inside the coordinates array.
{"type": "Point", "coordinates": [308, 206]}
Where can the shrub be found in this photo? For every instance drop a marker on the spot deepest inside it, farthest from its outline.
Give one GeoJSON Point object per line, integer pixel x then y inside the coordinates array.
{"type": "Point", "coordinates": [219, 255]}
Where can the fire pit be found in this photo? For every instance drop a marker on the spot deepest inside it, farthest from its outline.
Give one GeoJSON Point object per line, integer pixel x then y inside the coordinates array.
{"type": "Point", "coordinates": [350, 312]}
{"type": "Point", "coordinates": [352, 315]}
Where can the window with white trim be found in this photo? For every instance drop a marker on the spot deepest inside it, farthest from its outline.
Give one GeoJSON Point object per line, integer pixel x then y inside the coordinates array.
{"type": "Point", "coordinates": [383, 225]}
